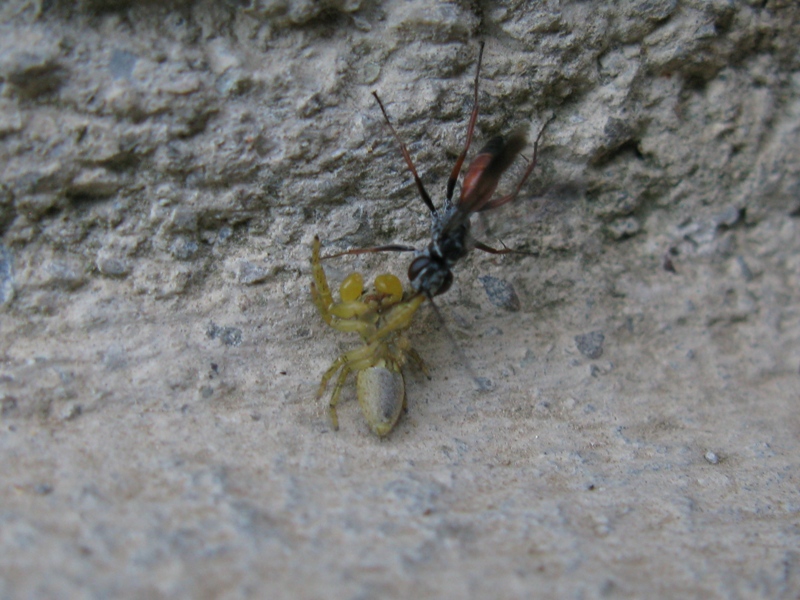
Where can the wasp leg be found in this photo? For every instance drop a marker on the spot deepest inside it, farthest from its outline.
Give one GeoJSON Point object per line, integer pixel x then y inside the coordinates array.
{"type": "Point", "coordinates": [490, 250]}
{"type": "Point", "coordinates": [407, 157]}
{"type": "Point", "coordinates": [509, 197]}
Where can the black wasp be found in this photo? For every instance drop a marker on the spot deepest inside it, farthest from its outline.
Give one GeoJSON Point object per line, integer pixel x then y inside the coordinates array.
{"type": "Point", "coordinates": [430, 273]}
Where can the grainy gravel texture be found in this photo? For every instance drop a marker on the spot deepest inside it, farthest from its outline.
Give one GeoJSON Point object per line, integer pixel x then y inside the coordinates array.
{"type": "Point", "coordinates": [164, 167]}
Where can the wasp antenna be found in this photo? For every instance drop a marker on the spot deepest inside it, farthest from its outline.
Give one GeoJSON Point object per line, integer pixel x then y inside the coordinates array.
{"type": "Point", "coordinates": [534, 158]}
{"type": "Point", "coordinates": [546, 123]}
{"type": "Point", "coordinates": [451, 182]}
{"type": "Point", "coordinates": [407, 157]}
{"type": "Point", "coordinates": [387, 248]}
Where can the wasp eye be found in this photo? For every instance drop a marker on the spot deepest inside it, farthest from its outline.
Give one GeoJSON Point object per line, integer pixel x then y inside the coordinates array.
{"type": "Point", "coordinates": [448, 281]}
{"type": "Point", "coordinates": [417, 266]}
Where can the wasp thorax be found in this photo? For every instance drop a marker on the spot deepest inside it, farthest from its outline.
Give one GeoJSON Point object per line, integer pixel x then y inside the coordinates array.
{"type": "Point", "coordinates": [453, 245]}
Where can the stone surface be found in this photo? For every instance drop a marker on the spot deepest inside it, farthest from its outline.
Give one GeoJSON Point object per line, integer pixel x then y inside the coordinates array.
{"type": "Point", "coordinates": [163, 170]}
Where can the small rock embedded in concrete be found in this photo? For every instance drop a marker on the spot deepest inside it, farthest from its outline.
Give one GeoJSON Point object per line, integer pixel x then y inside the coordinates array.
{"type": "Point", "coordinates": [224, 234]}
{"type": "Point", "coordinates": [711, 457]}
{"type": "Point", "coordinates": [8, 406]}
{"type": "Point", "coordinates": [234, 82]}
{"type": "Point", "coordinates": [112, 267]}
{"type": "Point", "coordinates": [114, 358]}
{"type": "Point", "coordinates": [744, 268]}
{"type": "Point", "coordinates": [624, 228]}
{"type": "Point", "coordinates": [183, 248]}
{"type": "Point", "coordinates": [484, 384]}
{"type": "Point", "coordinates": [250, 273]}
{"type": "Point", "coordinates": [230, 336]}
{"type": "Point", "coordinates": [94, 183]}
{"type": "Point", "coordinates": [501, 293]}
{"type": "Point", "coordinates": [667, 264]}
{"type": "Point", "coordinates": [6, 276]}
{"type": "Point", "coordinates": [122, 64]}
{"type": "Point", "coordinates": [183, 219]}
{"type": "Point", "coordinates": [43, 489]}
{"type": "Point", "coordinates": [590, 344]}
{"type": "Point", "coordinates": [33, 73]}
{"type": "Point", "coordinates": [63, 275]}
{"type": "Point", "coordinates": [70, 411]}
{"type": "Point", "coordinates": [728, 217]}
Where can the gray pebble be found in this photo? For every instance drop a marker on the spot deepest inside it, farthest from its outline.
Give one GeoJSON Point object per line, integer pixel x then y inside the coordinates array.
{"type": "Point", "coordinates": [484, 384]}
{"type": "Point", "coordinates": [183, 248]}
{"type": "Point", "coordinates": [624, 228]}
{"type": "Point", "coordinates": [6, 276]}
{"type": "Point", "coordinates": [112, 267]}
{"type": "Point", "coordinates": [230, 336]}
{"type": "Point", "coordinates": [590, 344]}
{"type": "Point", "coordinates": [122, 64]}
{"type": "Point", "coordinates": [249, 273]}
{"type": "Point", "coordinates": [501, 293]}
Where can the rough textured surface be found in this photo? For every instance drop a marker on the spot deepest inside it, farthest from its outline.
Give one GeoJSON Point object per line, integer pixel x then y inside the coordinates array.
{"type": "Point", "coordinates": [163, 169]}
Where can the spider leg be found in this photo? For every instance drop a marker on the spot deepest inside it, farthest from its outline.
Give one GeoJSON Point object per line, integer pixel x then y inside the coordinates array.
{"type": "Point", "coordinates": [320, 291]}
{"type": "Point", "coordinates": [364, 328]}
{"type": "Point", "coordinates": [418, 361]}
{"type": "Point", "coordinates": [355, 360]}
{"type": "Point", "coordinates": [398, 318]}
{"type": "Point", "coordinates": [337, 390]}
{"type": "Point", "coordinates": [326, 377]}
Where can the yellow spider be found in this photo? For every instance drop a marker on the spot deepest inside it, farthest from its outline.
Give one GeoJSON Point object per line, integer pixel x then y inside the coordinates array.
{"type": "Point", "coordinates": [380, 319]}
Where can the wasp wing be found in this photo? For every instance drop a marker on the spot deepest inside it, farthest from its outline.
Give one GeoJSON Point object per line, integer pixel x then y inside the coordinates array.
{"type": "Point", "coordinates": [483, 175]}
